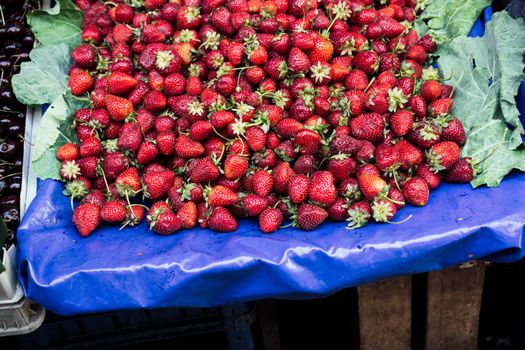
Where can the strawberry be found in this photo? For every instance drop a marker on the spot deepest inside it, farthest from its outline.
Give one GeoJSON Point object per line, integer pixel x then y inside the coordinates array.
{"type": "Point", "coordinates": [418, 105]}
{"type": "Point", "coordinates": [368, 126]}
{"type": "Point", "coordinates": [322, 51]}
{"type": "Point", "coordinates": [417, 53]}
{"type": "Point", "coordinates": [431, 90]}
{"type": "Point", "coordinates": [432, 179]}
{"type": "Point", "coordinates": [256, 138]}
{"type": "Point", "coordinates": [80, 82]}
{"type": "Point", "coordinates": [338, 210]}
{"type": "Point", "coordinates": [95, 197]}
{"type": "Point", "coordinates": [222, 196]}
{"type": "Point", "coordinates": [235, 166]}
{"type": "Point", "coordinates": [90, 146]}
{"type": "Point", "coordinates": [185, 147]}
{"type": "Point", "coordinates": [88, 167]}
{"type": "Point", "coordinates": [428, 43]}
{"type": "Point", "coordinates": [151, 34]}
{"type": "Point", "coordinates": [452, 130]}
{"type": "Point", "coordinates": [235, 52]}
{"type": "Point", "coordinates": [68, 152]}
{"type": "Point", "coordinates": [254, 204]}
{"type": "Point", "coordinates": [259, 56]}
{"type": "Point", "coordinates": [409, 154]}
{"type": "Point", "coordinates": [341, 166]}
{"type": "Point", "coordinates": [84, 56]}
{"type": "Point", "coordinates": [166, 142]}
{"type": "Point", "coordinates": [120, 83]}
{"type": "Point", "coordinates": [424, 135]}
{"type": "Point", "coordinates": [128, 182]}
{"type": "Point", "coordinates": [358, 214]}
{"type": "Point", "coordinates": [130, 137]}
{"type": "Point", "coordinates": [204, 171]}
{"type": "Point", "coordinates": [462, 171]}
{"type": "Point", "coordinates": [401, 122]}
{"type": "Point", "coordinates": [310, 216]}
{"type": "Point", "coordinates": [166, 223]}
{"type": "Point", "coordinates": [298, 61]}
{"type": "Point", "coordinates": [262, 183]}
{"type": "Point", "coordinates": [86, 218]}
{"type": "Point", "coordinates": [221, 220]}
{"type": "Point", "coordinates": [113, 211]}
{"type": "Point", "coordinates": [367, 61]}
{"type": "Point", "coordinates": [281, 176]}
{"type": "Point", "coordinates": [270, 220]}
{"type": "Point", "coordinates": [439, 107]}
{"type": "Point", "coordinates": [416, 191]}
{"type": "Point", "coordinates": [156, 184]}
{"type": "Point", "coordinates": [356, 79]}
{"type": "Point", "coordinates": [322, 189]}
{"type": "Point", "coordinates": [372, 185]}
{"type": "Point", "coordinates": [298, 188]}
{"type": "Point", "coordinates": [308, 141]}
{"type": "Point", "coordinates": [383, 210]}
{"type": "Point", "coordinates": [118, 107]}
{"type": "Point", "coordinates": [387, 158]}
{"type": "Point", "coordinates": [188, 215]}
{"type": "Point", "coordinates": [443, 155]}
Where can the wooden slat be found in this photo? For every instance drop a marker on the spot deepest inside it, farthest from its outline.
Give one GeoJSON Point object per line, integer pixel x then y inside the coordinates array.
{"type": "Point", "coordinates": [385, 314]}
{"type": "Point", "coordinates": [453, 305]}
{"type": "Point", "coordinates": [267, 315]}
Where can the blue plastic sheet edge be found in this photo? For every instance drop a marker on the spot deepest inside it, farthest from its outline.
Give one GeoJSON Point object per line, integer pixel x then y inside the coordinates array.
{"type": "Point", "coordinates": [135, 268]}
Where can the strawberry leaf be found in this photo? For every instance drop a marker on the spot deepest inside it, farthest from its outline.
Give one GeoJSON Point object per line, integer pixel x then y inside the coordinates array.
{"type": "Point", "coordinates": [45, 77]}
{"type": "Point", "coordinates": [445, 20]}
{"type": "Point", "coordinates": [487, 72]}
{"type": "Point", "coordinates": [53, 132]}
{"type": "Point", "coordinates": [59, 24]}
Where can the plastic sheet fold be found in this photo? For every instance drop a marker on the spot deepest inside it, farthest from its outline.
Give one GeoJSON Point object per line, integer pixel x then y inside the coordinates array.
{"type": "Point", "coordinates": [136, 268]}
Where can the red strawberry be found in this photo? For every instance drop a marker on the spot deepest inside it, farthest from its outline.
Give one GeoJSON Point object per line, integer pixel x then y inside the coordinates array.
{"type": "Point", "coordinates": [441, 106]}
{"type": "Point", "coordinates": [156, 184]}
{"type": "Point", "coordinates": [204, 171]}
{"type": "Point", "coordinates": [367, 61]}
{"type": "Point", "coordinates": [166, 223]}
{"type": "Point", "coordinates": [68, 152]}
{"type": "Point", "coordinates": [262, 183]}
{"type": "Point", "coordinates": [221, 220]}
{"type": "Point", "coordinates": [235, 53]}
{"type": "Point", "coordinates": [84, 56]}
{"type": "Point", "coordinates": [409, 154]}
{"type": "Point", "coordinates": [341, 166]}
{"type": "Point", "coordinates": [356, 79]}
{"type": "Point", "coordinates": [128, 182]}
{"type": "Point", "coordinates": [298, 188]}
{"type": "Point", "coordinates": [256, 138]}
{"type": "Point", "coordinates": [120, 83]}
{"type": "Point", "coordinates": [383, 210]}
{"type": "Point", "coordinates": [431, 90]}
{"type": "Point", "coordinates": [130, 137]}
{"type": "Point", "coordinates": [432, 179]}
{"type": "Point", "coordinates": [88, 167]}
{"type": "Point", "coordinates": [113, 211]}
{"type": "Point", "coordinates": [401, 122]}
{"type": "Point", "coordinates": [86, 218]}
{"type": "Point", "coordinates": [254, 204]}
{"type": "Point", "coordinates": [235, 166]}
{"type": "Point", "coordinates": [188, 148]}
{"type": "Point", "coordinates": [322, 189]}
{"type": "Point", "coordinates": [270, 220]}
{"type": "Point", "coordinates": [417, 53]}
{"type": "Point", "coordinates": [222, 196]}
{"type": "Point", "coordinates": [95, 197]}
{"type": "Point", "coordinates": [281, 176]}
{"type": "Point", "coordinates": [80, 82]}
{"type": "Point", "coordinates": [452, 130]}
{"type": "Point", "coordinates": [358, 214]}
{"type": "Point", "coordinates": [443, 155]}
{"type": "Point", "coordinates": [298, 61]}
{"type": "Point", "coordinates": [310, 216]}
{"type": "Point", "coordinates": [166, 142]}
{"type": "Point", "coordinates": [372, 185]}
{"type": "Point", "coordinates": [368, 126]}
{"type": "Point", "coordinates": [259, 56]}
{"type": "Point", "coordinates": [188, 215]}
{"type": "Point", "coordinates": [416, 191]}
{"type": "Point", "coordinates": [338, 210]}
{"type": "Point", "coordinates": [463, 171]}
{"type": "Point", "coordinates": [118, 107]}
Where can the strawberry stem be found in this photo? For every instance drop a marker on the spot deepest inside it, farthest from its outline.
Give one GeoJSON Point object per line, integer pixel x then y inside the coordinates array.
{"type": "Point", "coordinates": [400, 222]}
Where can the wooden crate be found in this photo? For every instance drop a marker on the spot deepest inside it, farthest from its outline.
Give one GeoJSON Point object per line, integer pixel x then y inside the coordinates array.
{"type": "Point", "coordinates": [443, 306]}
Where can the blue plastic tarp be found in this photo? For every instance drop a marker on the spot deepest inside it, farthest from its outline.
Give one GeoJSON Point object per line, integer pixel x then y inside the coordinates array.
{"type": "Point", "coordinates": [136, 268]}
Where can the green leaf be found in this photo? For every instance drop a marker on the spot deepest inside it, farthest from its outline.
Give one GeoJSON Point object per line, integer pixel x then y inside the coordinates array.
{"type": "Point", "coordinates": [53, 132]}
{"type": "Point", "coordinates": [45, 77]}
{"type": "Point", "coordinates": [487, 73]}
{"type": "Point", "coordinates": [60, 24]}
{"type": "Point", "coordinates": [445, 20]}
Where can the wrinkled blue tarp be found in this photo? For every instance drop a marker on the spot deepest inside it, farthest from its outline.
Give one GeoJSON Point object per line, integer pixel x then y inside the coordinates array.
{"type": "Point", "coordinates": [135, 268]}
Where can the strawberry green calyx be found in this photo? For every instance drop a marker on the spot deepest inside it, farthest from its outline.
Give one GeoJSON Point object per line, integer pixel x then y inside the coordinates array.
{"type": "Point", "coordinates": [279, 99]}
{"type": "Point", "coordinates": [320, 72]}
{"type": "Point", "coordinates": [382, 211]}
{"type": "Point", "coordinates": [196, 107]}
{"type": "Point", "coordinates": [430, 73]}
{"type": "Point", "coordinates": [396, 99]}
{"type": "Point", "coordinates": [212, 41]}
{"type": "Point", "coordinates": [110, 145]}
{"type": "Point", "coordinates": [185, 191]}
{"type": "Point", "coordinates": [70, 170]}
{"type": "Point", "coordinates": [357, 218]}
{"type": "Point", "coordinates": [434, 161]}
{"type": "Point", "coordinates": [428, 133]}
{"type": "Point", "coordinates": [163, 59]}
{"type": "Point", "coordinates": [242, 109]}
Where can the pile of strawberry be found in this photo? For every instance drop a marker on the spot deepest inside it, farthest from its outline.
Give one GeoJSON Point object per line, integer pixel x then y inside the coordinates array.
{"type": "Point", "coordinates": [213, 110]}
